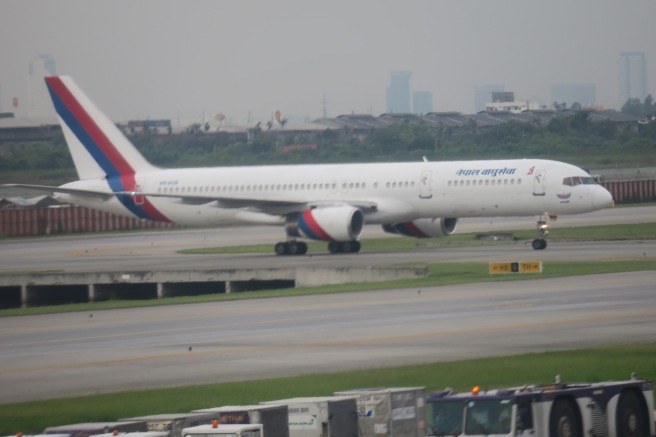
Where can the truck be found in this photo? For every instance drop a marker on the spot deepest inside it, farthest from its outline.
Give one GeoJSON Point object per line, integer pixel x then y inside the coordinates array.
{"type": "Point", "coordinates": [227, 430]}
{"type": "Point", "coordinates": [558, 409]}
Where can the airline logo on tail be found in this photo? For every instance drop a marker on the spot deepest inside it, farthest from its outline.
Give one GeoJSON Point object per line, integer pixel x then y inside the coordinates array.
{"type": "Point", "coordinates": [119, 172]}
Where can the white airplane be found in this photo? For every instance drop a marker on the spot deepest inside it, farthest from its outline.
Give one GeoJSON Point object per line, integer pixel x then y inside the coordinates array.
{"type": "Point", "coordinates": [329, 202]}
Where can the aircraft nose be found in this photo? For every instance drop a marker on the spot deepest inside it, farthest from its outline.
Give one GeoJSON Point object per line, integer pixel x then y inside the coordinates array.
{"type": "Point", "coordinates": [602, 198]}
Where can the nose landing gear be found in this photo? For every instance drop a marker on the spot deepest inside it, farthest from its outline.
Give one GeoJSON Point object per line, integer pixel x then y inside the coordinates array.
{"type": "Point", "coordinates": [543, 230]}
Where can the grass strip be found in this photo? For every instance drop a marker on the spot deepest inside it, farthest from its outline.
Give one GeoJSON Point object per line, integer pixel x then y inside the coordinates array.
{"type": "Point", "coordinates": [584, 365]}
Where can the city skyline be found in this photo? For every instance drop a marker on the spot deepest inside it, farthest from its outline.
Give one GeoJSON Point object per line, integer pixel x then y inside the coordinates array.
{"type": "Point", "coordinates": [180, 60]}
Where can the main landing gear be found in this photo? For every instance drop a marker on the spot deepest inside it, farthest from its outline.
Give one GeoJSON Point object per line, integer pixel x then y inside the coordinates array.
{"type": "Point", "coordinates": [344, 246]}
{"type": "Point", "coordinates": [300, 248]}
{"type": "Point", "coordinates": [291, 248]}
{"type": "Point", "coordinates": [543, 230]}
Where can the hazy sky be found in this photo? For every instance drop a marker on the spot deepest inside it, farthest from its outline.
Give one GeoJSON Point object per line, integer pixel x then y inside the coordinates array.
{"type": "Point", "coordinates": [170, 59]}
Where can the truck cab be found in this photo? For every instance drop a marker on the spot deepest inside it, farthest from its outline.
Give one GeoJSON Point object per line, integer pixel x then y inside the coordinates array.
{"type": "Point", "coordinates": [610, 409]}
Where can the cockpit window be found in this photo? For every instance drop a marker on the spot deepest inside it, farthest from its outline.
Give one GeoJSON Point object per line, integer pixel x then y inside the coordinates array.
{"type": "Point", "coordinates": [578, 180]}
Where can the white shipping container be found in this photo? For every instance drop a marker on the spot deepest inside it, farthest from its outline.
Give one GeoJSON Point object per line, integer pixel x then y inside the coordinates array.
{"type": "Point", "coordinates": [94, 428]}
{"type": "Point", "coordinates": [321, 416]}
{"type": "Point", "coordinates": [174, 423]}
{"type": "Point", "coordinates": [223, 430]}
{"type": "Point", "coordinates": [273, 418]}
{"type": "Point", "coordinates": [390, 412]}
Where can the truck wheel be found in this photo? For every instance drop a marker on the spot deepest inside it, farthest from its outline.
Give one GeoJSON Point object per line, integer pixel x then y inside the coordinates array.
{"type": "Point", "coordinates": [564, 420]}
{"type": "Point", "coordinates": [630, 416]}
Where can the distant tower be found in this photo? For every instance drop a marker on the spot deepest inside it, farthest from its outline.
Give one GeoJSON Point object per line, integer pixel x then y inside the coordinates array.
{"type": "Point", "coordinates": [483, 95]}
{"type": "Point", "coordinates": [398, 93]}
{"type": "Point", "coordinates": [422, 102]}
{"type": "Point", "coordinates": [324, 107]}
{"type": "Point", "coordinates": [632, 76]}
{"type": "Point", "coordinates": [38, 100]}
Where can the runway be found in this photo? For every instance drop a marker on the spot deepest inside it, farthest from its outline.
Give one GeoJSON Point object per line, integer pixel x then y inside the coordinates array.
{"type": "Point", "coordinates": [62, 355]}
{"type": "Point", "coordinates": [72, 354]}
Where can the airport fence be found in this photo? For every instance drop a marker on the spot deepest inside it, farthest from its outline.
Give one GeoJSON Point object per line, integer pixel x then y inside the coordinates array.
{"type": "Point", "coordinates": [67, 219]}
{"type": "Point", "coordinates": [632, 191]}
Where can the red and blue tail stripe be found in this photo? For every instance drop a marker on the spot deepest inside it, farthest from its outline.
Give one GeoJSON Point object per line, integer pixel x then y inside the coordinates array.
{"type": "Point", "coordinates": [311, 229]}
{"type": "Point", "coordinates": [120, 174]}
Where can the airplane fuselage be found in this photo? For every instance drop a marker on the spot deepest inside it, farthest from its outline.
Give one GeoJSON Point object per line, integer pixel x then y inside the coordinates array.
{"type": "Point", "coordinates": [400, 191]}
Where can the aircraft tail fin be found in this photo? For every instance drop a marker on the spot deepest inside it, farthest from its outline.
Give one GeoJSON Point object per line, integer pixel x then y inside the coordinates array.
{"type": "Point", "coordinates": [99, 149]}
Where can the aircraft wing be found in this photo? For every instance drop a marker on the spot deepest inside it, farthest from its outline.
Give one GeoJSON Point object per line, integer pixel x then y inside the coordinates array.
{"type": "Point", "coordinates": [46, 189]}
{"type": "Point", "coordinates": [267, 206]}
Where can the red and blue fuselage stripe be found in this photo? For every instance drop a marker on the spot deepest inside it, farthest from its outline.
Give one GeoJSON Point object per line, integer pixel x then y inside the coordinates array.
{"type": "Point", "coordinates": [409, 229]}
{"type": "Point", "coordinates": [120, 174]}
{"type": "Point", "coordinates": [311, 228]}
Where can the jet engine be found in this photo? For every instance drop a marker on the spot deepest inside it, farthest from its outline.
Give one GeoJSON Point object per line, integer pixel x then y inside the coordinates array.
{"type": "Point", "coordinates": [424, 228]}
{"type": "Point", "coordinates": [339, 223]}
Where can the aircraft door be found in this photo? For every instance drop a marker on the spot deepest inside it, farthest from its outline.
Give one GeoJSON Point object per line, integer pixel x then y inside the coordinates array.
{"type": "Point", "coordinates": [425, 180]}
{"type": "Point", "coordinates": [539, 182]}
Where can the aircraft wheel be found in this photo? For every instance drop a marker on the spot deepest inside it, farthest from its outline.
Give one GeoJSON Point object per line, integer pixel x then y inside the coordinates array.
{"type": "Point", "coordinates": [302, 248]}
{"type": "Point", "coordinates": [292, 248]}
{"type": "Point", "coordinates": [539, 244]}
{"type": "Point", "coordinates": [334, 247]}
{"type": "Point", "coordinates": [280, 248]}
{"type": "Point", "coordinates": [355, 246]}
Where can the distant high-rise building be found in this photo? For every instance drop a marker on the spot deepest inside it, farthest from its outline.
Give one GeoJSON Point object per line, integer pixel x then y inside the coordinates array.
{"type": "Point", "coordinates": [483, 95]}
{"type": "Point", "coordinates": [570, 93]}
{"type": "Point", "coordinates": [398, 93]}
{"type": "Point", "coordinates": [422, 102]}
{"type": "Point", "coordinates": [632, 76]}
{"type": "Point", "coordinates": [38, 100]}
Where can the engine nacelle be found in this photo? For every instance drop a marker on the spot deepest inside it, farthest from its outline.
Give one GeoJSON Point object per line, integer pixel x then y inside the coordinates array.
{"type": "Point", "coordinates": [339, 223]}
{"type": "Point", "coordinates": [424, 228]}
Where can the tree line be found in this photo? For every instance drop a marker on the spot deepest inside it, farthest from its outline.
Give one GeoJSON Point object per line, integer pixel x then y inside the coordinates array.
{"type": "Point", "coordinates": [574, 139]}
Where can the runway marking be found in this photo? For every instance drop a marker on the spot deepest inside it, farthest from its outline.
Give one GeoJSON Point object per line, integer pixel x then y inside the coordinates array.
{"type": "Point", "coordinates": [354, 341]}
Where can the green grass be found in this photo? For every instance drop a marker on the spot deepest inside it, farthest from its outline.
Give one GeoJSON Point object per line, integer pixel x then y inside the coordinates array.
{"type": "Point", "coordinates": [642, 231]}
{"type": "Point", "coordinates": [585, 365]}
{"type": "Point", "coordinates": [438, 274]}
